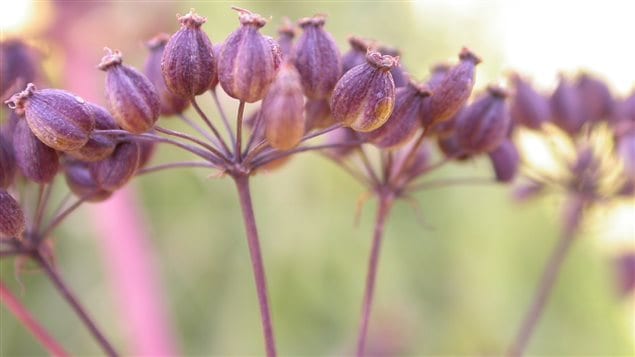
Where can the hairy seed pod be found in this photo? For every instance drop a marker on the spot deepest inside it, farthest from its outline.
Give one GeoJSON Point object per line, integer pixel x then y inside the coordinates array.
{"type": "Point", "coordinates": [99, 146]}
{"type": "Point", "coordinates": [317, 113]}
{"type": "Point", "coordinates": [20, 65]}
{"type": "Point", "coordinates": [485, 123]}
{"type": "Point", "coordinates": [282, 109]}
{"type": "Point", "coordinates": [37, 162]}
{"type": "Point", "coordinates": [248, 60]}
{"type": "Point", "coordinates": [341, 137]}
{"type": "Point", "coordinates": [317, 58]}
{"type": "Point", "coordinates": [12, 221]}
{"type": "Point", "coordinates": [505, 160]}
{"type": "Point", "coordinates": [404, 120]}
{"type": "Point", "coordinates": [566, 107]}
{"type": "Point", "coordinates": [115, 171]}
{"type": "Point", "coordinates": [132, 98]}
{"type": "Point", "coordinates": [188, 59]}
{"type": "Point", "coordinates": [286, 34]}
{"type": "Point", "coordinates": [7, 162]}
{"type": "Point", "coordinates": [170, 103]}
{"type": "Point", "coordinates": [596, 98]}
{"type": "Point", "coordinates": [60, 119]}
{"type": "Point", "coordinates": [81, 182]}
{"type": "Point", "coordinates": [528, 107]}
{"type": "Point", "coordinates": [356, 55]}
{"type": "Point", "coordinates": [452, 90]}
{"type": "Point", "coordinates": [365, 96]}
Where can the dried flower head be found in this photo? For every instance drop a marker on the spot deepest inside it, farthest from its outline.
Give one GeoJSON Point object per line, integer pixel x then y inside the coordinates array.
{"type": "Point", "coordinates": [12, 218]}
{"type": "Point", "coordinates": [170, 103]}
{"type": "Point", "coordinates": [131, 96]}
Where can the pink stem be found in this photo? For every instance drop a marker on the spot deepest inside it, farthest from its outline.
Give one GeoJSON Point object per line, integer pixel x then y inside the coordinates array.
{"type": "Point", "coordinates": [22, 314]}
{"type": "Point", "coordinates": [242, 184]}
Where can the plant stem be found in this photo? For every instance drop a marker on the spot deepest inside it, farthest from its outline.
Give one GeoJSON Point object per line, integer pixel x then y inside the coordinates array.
{"type": "Point", "coordinates": [239, 130]}
{"type": "Point", "coordinates": [548, 278]}
{"type": "Point", "coordinates": [201, 113]}
{"type": "Point", "coordinates": [63, 214]}
{"type": "Point", "coordinates": [197, 128]}
{"type": "Point", "coordinates": [223, 116]}
{"type": "Point", "coordinates": [174, 165]}
{"type": "Point", "coordinates": [383, 210]}
{"type": "Point", "coordinates": [242, 185]}
{"type": "Point", "coordinates": [26, 319]}
{"type": "Point", "coordinates": [192, 140]}
{"type": "Point", "coordinates": [74, 303]}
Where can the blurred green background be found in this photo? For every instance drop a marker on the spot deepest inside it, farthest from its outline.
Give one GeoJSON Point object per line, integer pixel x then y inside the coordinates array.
{"type": "Point", "coordinates": [455, 284]}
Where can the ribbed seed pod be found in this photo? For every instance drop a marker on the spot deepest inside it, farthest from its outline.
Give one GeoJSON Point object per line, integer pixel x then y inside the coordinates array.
{"type": "Point", "coordinates": [188, 59]}
{"type": "Point", "coordinates": [60, 119]}
{"type": "Point", "coordinates": [356, 55]}
{"type": "Point", "coordinates": [286, 34]}
{"type": "Point", "coordinates": [452, 90]}
{"type": "Point", "coordinates": [282, 109]}
{"type": "Point", "coordinates": [131, 96]}
{"type": "Point", "coordinates": [12, 218]}
{"type": "Point", "coordinates": [596, 99]}
{"type": "Point", "coordinates": [505, 161]}
{"type": "Point", "coordinates": [37, 162]}
{"type": "Point", "coordinates": [7, 162]}
{"type": "Point", "coordinates": [404, 120]}
{"type": "Point", "coordinates": [99, 146]}
{"type": "Point", "coordinates": [528, 107]}
{"type": "Point", "coordinates": [170, 103]}
{"type": "Point", "coordinates": [81, 182]}
{"type": "Point", "coordinates": [248, 60]}
{"type": "Point", "coordinates": [20, 65]}
{"type": "Point", "coordinates": [485, 123]}
{"type": "Point", "coordinates": [317, 58]}
{"type": "Point", "coordinates": [115, 171]}
{"type": "Point", "coordinates": [317, 113]}
{"type": "Point", "coordinates": [566, 107]}
{"type": "Point", "coordinates": [365, 96]}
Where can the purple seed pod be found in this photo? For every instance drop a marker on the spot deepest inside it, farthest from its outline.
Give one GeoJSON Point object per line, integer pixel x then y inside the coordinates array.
{"type": "Point", "coordinates": [566, 107]}
{"type": "Point", "coordinates": [451, 149]}
{"type": "Point", "coordinates": [81, 182]}
{"type": "Point", "coordinates": [282, 109]}
{"type": "Point", "coordinates": [131, 96]}
{"type": "Point", "coordinates": [446, 128]}
{"type": "Point", "coordinates": [505, 160]}
{"type": "Point", "coordinates": [626, 151]}
{"type": "Point", "coordinates": [7, 162]}
{"type": "Point", "coordinates": [58, 118]}
{"type": "Point", "coordinates": [365, 96]}
{"type": "Point", "coordinates": [399, 75]}
{"type": "Point", "coordinates": [485, 123]}
{"type": "Point", "coordinates": [188, 59]}
{"type": "Point", "coordinates": [146, 152]}
{"type": "Point", "coordinates": [317, 113]}
{"type": "Point", "coordinates": [451, 90]}
{"type": "Point", "coordinates": [528, 107]}
{"type": "Point", "coordinates": [170, 103]}
{"type": "Point", "coordinates": [341, 136]}
{"type": "Point", "coordinates": [12, 221]}
{"type": "Point", "coordinates": [356, 55]}
{"type": "Point", "coordinates": [317, 58]}
{"type": "Point", "coordinates": [404, 120]}
{"type": "Point", "coordinates": [248, 60]}
{"type": "Point", "coordinates": [115, 171]}
{"type": "Point", "coordinates": [217, 48]}
{"type": "Point", "coordinates": [99, 146]}
{"type": "Point", "coordinates": [20, 65]}
{"type": "Point", "coordinates": [596, 98]}
{"type": "Point", "coordinates": [37, 162]}
{"type": "Point", "coordinates": [286, 34]}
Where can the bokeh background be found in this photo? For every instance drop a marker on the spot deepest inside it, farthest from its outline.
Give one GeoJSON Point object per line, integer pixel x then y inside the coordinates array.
{"type": "Point", "coordinates": [452, 282]}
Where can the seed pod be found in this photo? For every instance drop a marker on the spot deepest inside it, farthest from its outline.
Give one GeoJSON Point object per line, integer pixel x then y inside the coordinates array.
{"type": "Point", "coordinates": [7, 162]}
{"type": "Point", "coordinates": [317, 58]}
{"type": "Point", "coordinates": [451, 149]}
{"type": "Point", "coordinates": [566, 107]}
{"type": "Point", "coordinates": [365, 96]}
{"type": "Point", "coordinates": [248, 60]}
{"type": "Point", "coordinates": [317, 113]}
{"type": "Point", "coordinates": [452, 90]}
{"type": "Point", "coordinates": [132, 98]}
{"type": "Point", "coordinates": [99, 146]}
{"type": "Point", "coordinates": [20, 65]}
{"type": "Point", "coordinates": [596, 98]}
{"type": "Point", "coordinates": [37, 162]}
{"type": "Point", "coordinates": [217, 48]}
{"type": "Point", "coordinates": [115, 171]}
{"type": "Point", "coordinates": [282, 109]}
{"type": "Point", "coordinates": [286, 34]}
{"type": "Point", "coordinates": [399, 75]}
{"type": "Point", "coordinates": [170, 103]}
{"type": "Point", "coordinates": [404, 120]}
{"type": "Point", "coordinates": [58, 118]}
{"type": "Point", "coordinates": [528, 107]}
{"type": "Point", "coordinates": [146, 152]}
{"type": "Point", "coordinates": [505, 160]}
{"type": "Point", "coordinates": [188, 60]}
{"type": "Point", "coordinates": [81, 182]}
{"type": "Point", "coordinates": [356, 55]}
{"type": "Point", "coordinates": [12, 218]}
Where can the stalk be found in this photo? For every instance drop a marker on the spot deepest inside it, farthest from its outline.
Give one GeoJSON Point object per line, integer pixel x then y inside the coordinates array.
{"type": "Point", "coordinates": [242, 185]}
{"type": "Point", "coordinates": [383, 210]}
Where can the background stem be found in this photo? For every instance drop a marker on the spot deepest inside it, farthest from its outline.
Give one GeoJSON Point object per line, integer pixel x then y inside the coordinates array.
{"type": "Point", "coordinates": [242, 184]}
{"type": "Point", "coordinates": [383, 210]}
